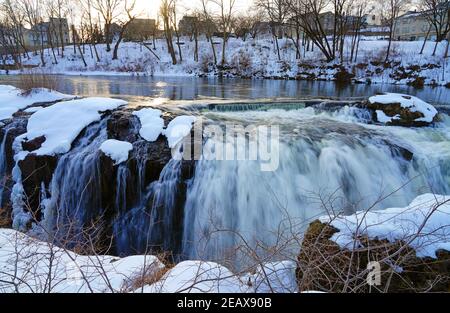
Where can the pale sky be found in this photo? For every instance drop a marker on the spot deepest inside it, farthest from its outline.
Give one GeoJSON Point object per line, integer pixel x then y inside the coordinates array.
{"type": "Point", "coordinates": [150, 7]}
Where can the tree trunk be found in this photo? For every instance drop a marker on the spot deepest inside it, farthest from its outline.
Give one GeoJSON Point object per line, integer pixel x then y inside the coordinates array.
{"type": "Point", "coordinates": [425, 40]}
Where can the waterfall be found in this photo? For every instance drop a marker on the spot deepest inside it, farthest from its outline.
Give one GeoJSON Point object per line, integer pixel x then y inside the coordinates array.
{"type": "Point", "coordinates": [3, 163]}
{"type": "Point", "coordinates": [74, 195]}
{"type": "Point", "coordinates": [155, 223]}
{"type": "Point", "coordinates": [329, 161]}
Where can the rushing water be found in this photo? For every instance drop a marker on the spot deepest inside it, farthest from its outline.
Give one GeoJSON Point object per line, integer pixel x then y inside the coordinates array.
{"type": "Point", "coordinates": [330, 160]}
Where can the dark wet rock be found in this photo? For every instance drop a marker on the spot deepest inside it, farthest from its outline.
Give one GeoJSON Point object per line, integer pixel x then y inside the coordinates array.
{"type": "Point", "coordinates": [34, 144]}
{"type": "Point", "coordinates": [37, 172]}
{"type": "Point", "coordinates": [323, 265]}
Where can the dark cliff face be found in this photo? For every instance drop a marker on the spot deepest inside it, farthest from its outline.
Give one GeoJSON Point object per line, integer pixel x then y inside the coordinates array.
{"type": "Point", "coordinates": [103, 199]}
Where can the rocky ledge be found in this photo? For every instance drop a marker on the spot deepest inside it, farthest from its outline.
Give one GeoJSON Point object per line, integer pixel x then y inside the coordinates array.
{"type": "Point", "coordinates": [408, 247]}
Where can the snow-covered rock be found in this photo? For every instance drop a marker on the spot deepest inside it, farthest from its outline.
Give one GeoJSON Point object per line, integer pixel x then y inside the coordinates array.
{"type": "Point", "coordinates": [117, 150]}
{"type": "Point", "coordinates": [152, 124]}
{"type": "Point", "coordinates": [13, 100]}
{"type": "Point", "coordinates": [179, 128]}
{"type": "Point", "coordinates": [402, 110]}
{"type": "Point", "coordinates": [62, 122]}
{"type": "Point", "coordinates": [424, 225]}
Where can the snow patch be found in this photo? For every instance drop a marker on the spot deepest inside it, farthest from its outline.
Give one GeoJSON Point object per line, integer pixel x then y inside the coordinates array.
{"type": "Point", "coordinates": [117, 150]}
{"type": "Point", "coordinates": [179, 128]}
{"type": "Point", "coordinates": [400, 224]}
{"type": "Point", "coordinates": [383, 118]}
{"type": "Point", "coordinates": [152, 124]}
{"type": "Point", "coordinates": [62, 122]}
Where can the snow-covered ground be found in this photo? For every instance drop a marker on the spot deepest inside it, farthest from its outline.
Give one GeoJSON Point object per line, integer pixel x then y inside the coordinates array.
{"type": "Point", "coordinates": [29, 265]}
{"type": "Point", "coordinates": [258, 58]}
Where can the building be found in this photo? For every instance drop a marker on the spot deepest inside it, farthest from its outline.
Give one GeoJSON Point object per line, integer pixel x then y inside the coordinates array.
{"type": "Point", "coordinates": [46, 33]}
{"type": "Point", "coordinates": [189, 24]}
{"type": "Point", "coordinates": [140, 29]}
{"type": "Point", "coordinates": [414, 25]}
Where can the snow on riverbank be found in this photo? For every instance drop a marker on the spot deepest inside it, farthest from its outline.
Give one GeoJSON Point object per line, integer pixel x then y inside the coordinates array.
{"type": "Point", "coordinates": [62, 122]}
{"type": "Point", "coordinates": [258, 58]}
{"type": "Point", "coordinates": [117, 150]}
{"type": "Point", "coordinates": [424, 225]}
{"type": "Point", "coordinates": [12, 99]}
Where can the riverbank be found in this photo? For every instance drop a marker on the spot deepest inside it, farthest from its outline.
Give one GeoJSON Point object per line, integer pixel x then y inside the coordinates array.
{"type": "Point", "coordinates": [258, 59]}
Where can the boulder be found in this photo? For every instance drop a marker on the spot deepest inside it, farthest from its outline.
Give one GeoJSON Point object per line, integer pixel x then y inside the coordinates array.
{"type": "Point", "coordinates": [324, 266]}
{"type": "Point", "coordinates": [401, 110]}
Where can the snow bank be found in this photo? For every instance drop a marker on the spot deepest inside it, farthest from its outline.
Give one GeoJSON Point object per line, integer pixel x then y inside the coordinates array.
{"type": "Point", "coordinates": [12, 100]}
{"type": "Point", "coordinates": [401, 224]}
{"type": "Point", "coordinates": [62, 122]}
{"type": "Point", "coordinates": [152, 124]}
{"type": "Point", "coordinates": [25, 264]}
{"type": "Point", "coordinates": [414, 104]}
{"type": "Point", "coordinates": [179, 128]}
{"type": "Point", "coordinates": [117, 150]}
{"type": "Point", "coordinates": [197, 277]}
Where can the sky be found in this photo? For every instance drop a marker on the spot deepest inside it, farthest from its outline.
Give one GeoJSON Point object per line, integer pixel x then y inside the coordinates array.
{"type": "Point", "coordinates": [149, 8]}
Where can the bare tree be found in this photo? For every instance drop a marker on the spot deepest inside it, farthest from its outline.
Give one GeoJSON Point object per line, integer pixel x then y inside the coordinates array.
{"type": "Point", "coordinates": [225, 22]}
{"type": "Point", "coordinates": [166, 10]}
{"type": "Point", "coordinates": [437, 14]}
{"type": "Point", "coordinates": [391, 9]}
{"type": "Point", "coordinates": [109, 10]}
{"type": "Point", "coordinates": [277, 11]}
{"type": "Point", "coordinates": [92, 37]}
{"type": "Point", "coordinates": [209, 27]}
{"type": "Point", "coordinates": [124, 25]}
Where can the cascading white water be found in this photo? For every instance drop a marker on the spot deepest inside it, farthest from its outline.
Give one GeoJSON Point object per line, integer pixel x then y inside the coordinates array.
{"type": "Point", "coordinates": [74, 193]}
{"type": "Point", "coordinates": [3, 162]}
{"type": "Point", "coordinates": [152, 224]}
{"type": "Point", "coordinates": [328, 161]}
